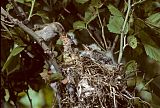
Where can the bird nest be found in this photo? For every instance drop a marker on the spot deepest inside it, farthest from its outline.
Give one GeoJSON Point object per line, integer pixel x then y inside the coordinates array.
{"type": "Point", "coordinates": [89, 84]}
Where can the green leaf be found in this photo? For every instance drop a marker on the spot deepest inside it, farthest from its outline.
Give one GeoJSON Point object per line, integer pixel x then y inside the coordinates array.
{"type": "Point", "coordinates": [145, 95]}
{"type": "Point", "coordinates": [48, 95]}
{"type": "Point", "coordinates": [20, 1]}
{"type": "Point", "coordinates": [28, 0]}
{"type": "Point", "coordinates": [115, 24]}
{"type": "Point", "coordinates": [130, 67]}
{"type": "Point", "coordinates": [132, 41]}
{"type": "Point", "coordinates": [114, 11]}
{"type": "Point", "coordinates": [9, 6]}
{"type": "Point", "coordinates": [37, 99]}
{"type": "Point", "coordinates": [146, 39]}
{"type": "Point", "coordinates": [79, 25]}
{"type": "Point", "coordinates": [59, 42]}
{"type": "Point", "coordinates": [96, 3]}
{"type": "Point", "coordinates": [152, 52]}
{"type": "Point", "coordinates": [16, 51]}
{"type": "Point", "coordinates": [154, 19]}
{"type": "Point", "coordinates": [90, 14]}
{"type": "Point", "coordinates": [43, 15]}
{"type": "Point", "coordinates": [56, 77]}
{"type": "Point", "coordinates": [82, 1]}
{"type": "Point", "coordinates": [131, 82]}
{"type": "Point", "coordinates": [10, 58]}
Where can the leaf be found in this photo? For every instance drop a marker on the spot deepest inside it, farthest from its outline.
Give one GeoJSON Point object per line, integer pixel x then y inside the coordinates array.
{"type": "Point", "coordinates": [20, 1]}
{"type": "Point", "coordinates": [115, 24]}
{"type": "Point", "coordinates": [152, 52]}
{"type": "Point", "coordinates": [10, 58]}
{"type": "Point", "coordinates": [132, 41]}
{"type": "Point", "coordinates": [59, 42]}
{"type": "Point", "coordinates": [79, 25]}
{"type": "Point", "coordinates": [28, 0]}
{"type": "Point", "coordinates": [16, 51]}
{"type": "Point", "coordinates": [9, 6]}
{"type": "Point", "coordinates": [82, 1]}
{"type": "Point", "coordinates": [90, 15]}
{"type": "Point", "coordinates": [43, 15]}
{"type": "Point", "coordinates": [37, 99]}
{"type": "Point", "coordinates": [146, 39]}
{"type": "Point", "coordinates": [96, 3]}
{"type": "Point", "coordinates": [145, 95]}
{"type": "Point", "coordinates": [114, 11]}
{"type": "Point", "coordinates": [131, 82]}
{"type": "Point", "coordinates": [154, 19]}
{"type": "Point", "coordinates": [48, 94]}
{"type": "Point", "coordinates": [56, 77]}
{"type": "Point", "coordinates": [130, 67]}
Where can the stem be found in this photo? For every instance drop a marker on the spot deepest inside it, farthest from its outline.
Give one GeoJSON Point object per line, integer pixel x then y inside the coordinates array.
{"type": "Point", "coordinates": [102, 27]}
{"type": "Point", "coordinates": [30, 100]}
{"type": "Point", "coordinates": [95, 39]}
{"type": "Point", "coordinates": [123, 32]}
{"type": "Point", "coordinates": [30, 14]}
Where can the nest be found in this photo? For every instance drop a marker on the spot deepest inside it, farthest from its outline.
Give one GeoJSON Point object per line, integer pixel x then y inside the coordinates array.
{"type": "Point", "coordinates": [93, 85]}
{"type": "Point", "coordinates": [92, 80]}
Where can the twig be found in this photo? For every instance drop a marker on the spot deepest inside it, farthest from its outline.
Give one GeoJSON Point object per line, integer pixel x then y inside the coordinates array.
{"type": "Point", "coordinates": [102, 28]}
{"type": "Point", "coordinates": [114, 43]}
{"type": "Point", "coordinates": [140, 1]}
{"type": "Point", "coordinates": [94, 39]}
{"type": "Point", "coordinates": [30, 14]}
{"type": "Point", "coordinates": [123, 32]}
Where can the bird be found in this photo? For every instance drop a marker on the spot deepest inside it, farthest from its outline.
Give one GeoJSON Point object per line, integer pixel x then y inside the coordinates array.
{"type": "Point", "coordinates": [49, 31]}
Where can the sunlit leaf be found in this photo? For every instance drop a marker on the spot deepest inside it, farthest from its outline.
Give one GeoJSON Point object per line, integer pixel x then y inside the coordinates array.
{"type": "Point", "coordinates": [114, 11]}
{"type": "Point", "coordinates": [152, 52]}
{"type": "Point", "coordinates": [132, 41]}
{"type": "Point", "coordinates": [115, 24]}
{"type": "Point", "coordinates": [79, 25]}
{"type": "Point", "coordinates": [82, 1]}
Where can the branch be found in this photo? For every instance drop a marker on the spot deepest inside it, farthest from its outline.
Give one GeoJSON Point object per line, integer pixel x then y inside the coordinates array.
{"type": "Point", "coordinates": [46, 49]}
{"type": "Point", "coordinates": [123, 32]}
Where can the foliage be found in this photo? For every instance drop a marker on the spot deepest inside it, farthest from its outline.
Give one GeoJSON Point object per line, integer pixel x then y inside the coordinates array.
{"type": "Point", "coordinates": [133, 30]}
